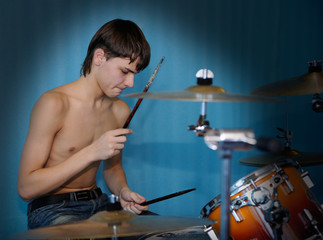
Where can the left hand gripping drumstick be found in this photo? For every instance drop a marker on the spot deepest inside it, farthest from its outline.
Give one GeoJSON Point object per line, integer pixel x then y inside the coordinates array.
{"type": "Point", "coordinates": [145, 90]}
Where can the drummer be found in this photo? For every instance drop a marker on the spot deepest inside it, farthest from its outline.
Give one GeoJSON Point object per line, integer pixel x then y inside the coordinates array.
{"type": "Point", "coordinates": [76, 126]}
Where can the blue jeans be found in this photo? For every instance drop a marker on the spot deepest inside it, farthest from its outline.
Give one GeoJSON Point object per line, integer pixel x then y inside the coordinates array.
{"type": "Point", "coordinates": [66, 212]}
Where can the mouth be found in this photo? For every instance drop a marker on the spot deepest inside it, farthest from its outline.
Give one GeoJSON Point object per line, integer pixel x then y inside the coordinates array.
{"type": "Point", "coordinates": [118, 91]}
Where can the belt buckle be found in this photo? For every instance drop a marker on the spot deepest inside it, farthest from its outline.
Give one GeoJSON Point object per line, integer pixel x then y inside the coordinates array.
{"type": "Point", "coordinates": [82, 195]}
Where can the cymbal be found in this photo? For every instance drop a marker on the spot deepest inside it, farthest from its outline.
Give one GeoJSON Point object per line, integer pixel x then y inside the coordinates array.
{"type": "Point", "coordinates": [303, 158]}
{"type": "Point", "coordinates": [309, 83]}
{"type": "Point", "coordinates": [113, 224]}
{"type": "Point", "coordinates": [202, 93]}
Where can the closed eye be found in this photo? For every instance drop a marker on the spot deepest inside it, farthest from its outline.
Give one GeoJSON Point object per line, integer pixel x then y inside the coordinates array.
{"type": "Point", "coordinates": [127, 70]}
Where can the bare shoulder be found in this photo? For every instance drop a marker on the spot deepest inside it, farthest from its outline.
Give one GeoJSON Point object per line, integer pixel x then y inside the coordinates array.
{"type": "Point", "coordinates": [51, 107]}
{"type": "Point", "coordinates": [52, 101]}
{"type": "Point", "coordinates": [121, 110]}
{"type": "Point", "coordinates": [121, 104]}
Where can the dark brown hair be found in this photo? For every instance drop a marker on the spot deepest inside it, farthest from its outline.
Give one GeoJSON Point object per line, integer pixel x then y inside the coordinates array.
{"type": "Point", "coordinates": [119, 38]}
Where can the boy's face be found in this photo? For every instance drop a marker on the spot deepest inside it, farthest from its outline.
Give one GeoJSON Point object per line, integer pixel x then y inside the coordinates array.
{"type": "Point", "coordinates": [116, 74]}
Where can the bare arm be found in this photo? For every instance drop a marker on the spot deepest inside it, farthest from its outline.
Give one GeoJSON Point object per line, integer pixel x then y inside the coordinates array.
{"type": "Point", "coordinates": [115, 179]}
{"type": "Point", "coordinates": [114, 175]}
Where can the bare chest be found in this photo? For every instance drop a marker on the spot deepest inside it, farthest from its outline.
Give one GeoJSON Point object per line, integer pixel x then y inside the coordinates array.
{"type": "Point", "coordinates": [79, 129]}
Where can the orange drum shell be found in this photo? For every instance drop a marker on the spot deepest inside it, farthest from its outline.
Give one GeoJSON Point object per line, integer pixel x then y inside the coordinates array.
{"type": "Point", "coordinates": [254, 226]}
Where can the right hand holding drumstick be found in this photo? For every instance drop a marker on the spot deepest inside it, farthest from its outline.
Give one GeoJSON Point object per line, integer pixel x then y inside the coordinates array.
{"type": "Point", "coordinates": [110, 143]}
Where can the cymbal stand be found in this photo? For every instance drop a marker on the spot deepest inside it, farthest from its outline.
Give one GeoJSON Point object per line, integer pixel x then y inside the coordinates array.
{"type": "Point", "coordinates": [202, 124]}
{"type": "Point", "coordinates": [225, 153]}
{"type": "Point", "coordinates": [225, 141]}
{"type": "Point", "coordinates": [287, 134]}
{"type": "Point", "coordinates": [317, 101]}
{"type": "Point", "coordinates": [204, 78]}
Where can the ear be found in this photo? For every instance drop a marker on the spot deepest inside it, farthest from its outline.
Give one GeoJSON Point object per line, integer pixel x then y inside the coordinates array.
{"type": "Point", "coordinates": [99, 56]}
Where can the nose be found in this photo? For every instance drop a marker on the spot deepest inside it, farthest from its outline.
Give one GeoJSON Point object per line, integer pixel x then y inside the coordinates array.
{"type": "Point", "coordinates": [129, 82]}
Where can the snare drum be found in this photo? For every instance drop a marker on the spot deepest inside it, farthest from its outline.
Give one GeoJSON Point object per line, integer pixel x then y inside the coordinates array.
{"type": "Point", "coordinates": [253, 197]}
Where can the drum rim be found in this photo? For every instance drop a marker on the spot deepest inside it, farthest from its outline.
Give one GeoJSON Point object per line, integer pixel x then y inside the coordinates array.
{"type": "Point", "coordinates": [244, 182]}
{"type": "Point", "coordinates": [256, 175]}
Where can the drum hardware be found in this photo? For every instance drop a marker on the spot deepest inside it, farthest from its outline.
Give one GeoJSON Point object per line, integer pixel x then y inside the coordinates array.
{"type": "Point", "coordinates": [260, 196]}
{"type": "Point", "coordinates": [287, 153]}
{"type": "Point", "coordinates": [280, 177]}
{"type": "Point", "coordinates": [238, 203]}
{"type": "Point", "coordinates": [287, 135]}
{"type": "Point", "coordinates": [237, 216]}
{"type": "Point", "coordinates": [306, 178]}
{"type": "Point", "coordinates": [253, 198]}
{"type": "Point", "coordinates": [235, 139]}
{"type": "Point", "coordinates": [247, 212]}
{"type": "Point", "coordinates": [276, 215]}
{"type": "Point", "coordinates": [210, 232]}
{"type": "Point", "coordinates": [314, 223]}
{"type": "Point", "coordinates": [225, 141]}
{"type": "Point", "coordinates": [317, 103]}
{"type": "Point", "coordinates": [302, 158]}
{"type": "Point", "coordinates": [204, 78]}
{"type": "Point", "coordinates": [210, 206]}
{"type": "Point", "coordinates": [202, 124]}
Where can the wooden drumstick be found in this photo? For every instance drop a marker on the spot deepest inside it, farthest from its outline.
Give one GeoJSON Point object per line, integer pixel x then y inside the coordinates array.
{"type": "Point", "coordinates": [145, 90]}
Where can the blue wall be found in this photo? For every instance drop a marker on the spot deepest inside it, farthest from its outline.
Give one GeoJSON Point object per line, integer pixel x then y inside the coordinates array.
{"type": "Point", "coordinates": [246, 43]}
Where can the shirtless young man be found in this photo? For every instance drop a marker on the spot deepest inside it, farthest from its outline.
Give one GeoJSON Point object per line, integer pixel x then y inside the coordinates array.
{"type": "Point", "coordinates": [75, 126]}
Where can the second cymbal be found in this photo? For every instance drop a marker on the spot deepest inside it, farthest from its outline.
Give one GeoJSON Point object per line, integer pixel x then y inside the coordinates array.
{"type": "Point", "coordinates": [303, 158]}
{"type": "Point", "coordinates": [310, 83]}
